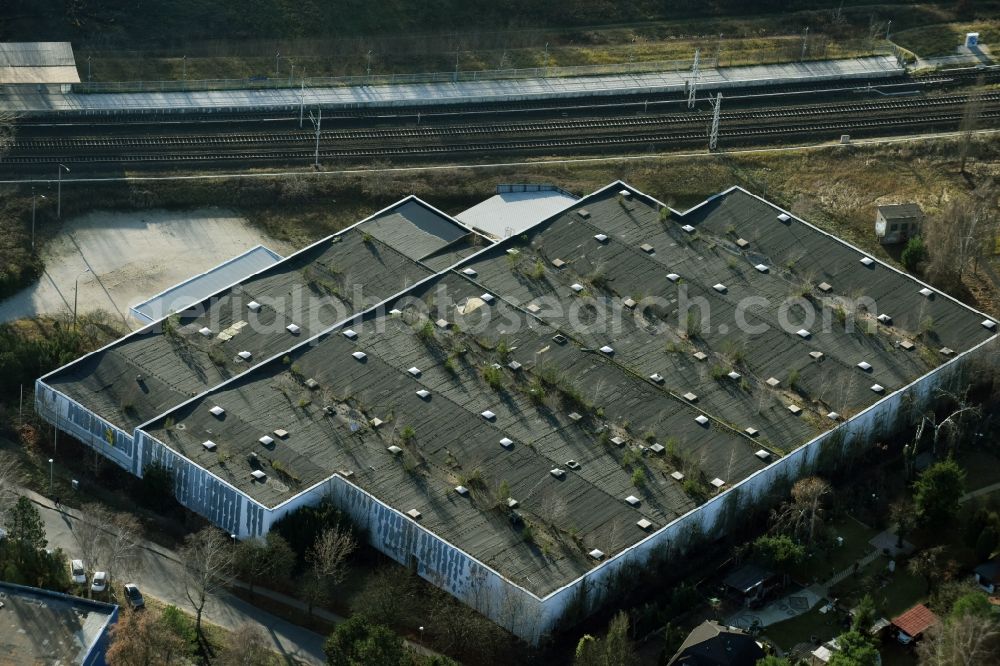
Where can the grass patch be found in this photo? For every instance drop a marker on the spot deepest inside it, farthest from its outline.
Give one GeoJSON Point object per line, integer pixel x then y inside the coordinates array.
{"type": "Point", "coordinates": [940, 40]}
{"type": "Point", "coordinates": [981, 468]}
{"type": "Point", "coordinates": [833, 559]}
{"type": "Point", "coordinates": [801, 628]}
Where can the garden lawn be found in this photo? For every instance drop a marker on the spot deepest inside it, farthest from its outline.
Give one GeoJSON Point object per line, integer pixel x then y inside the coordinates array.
{"type": "Point", "coordinates": [833, 559]}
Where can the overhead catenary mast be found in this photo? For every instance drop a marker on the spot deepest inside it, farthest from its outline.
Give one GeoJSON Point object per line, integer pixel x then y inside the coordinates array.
{"type": "Point", "coordinates": [693, 81]}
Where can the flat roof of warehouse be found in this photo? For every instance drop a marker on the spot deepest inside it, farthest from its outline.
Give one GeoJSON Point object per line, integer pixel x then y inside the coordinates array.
{"type": "Point", "coordinates": [37, 62]}
{"type": "Point", "coordinates": [516, 208]}
{"type": "Point", "coordinates": [202, 286]}
{"type": "Point", "coordinates": [554, 366]}
{"type": "Point", "coordinates": [156, 368]}
{"type": "Point", "coordinates": [449, 92]}
{"type": "Point", "coordinates": [43, 627]}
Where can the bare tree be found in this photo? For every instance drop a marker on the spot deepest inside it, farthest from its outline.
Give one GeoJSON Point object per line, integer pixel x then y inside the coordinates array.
{"type": "Point", "coordinates": [803, 516]}
{"type": "Point", "coordinates": [328, 562]}
{"type": "Point", "coordinates": [9, 470]}
{"type": "Point", "coordinates": [90, 535]}
{"type": "Point", "coordinates": [961, 235]}
{"type": "Point", "coordinates": [124, 546]}
{"type": "Point", "coordinates": [930, 565]}
{"type": "Point", "coordinates": [265, 558]}
{"type": "Point", "coordinates": [207, 557]}
{"type": "Point", "coordinates": [247, 645]}
{"type": "Point", "coordinates": [970, 123]}
{"type": "Point", "coordinates": [141, 639]}
{"type": "Point", "coordinates": [968, 640]}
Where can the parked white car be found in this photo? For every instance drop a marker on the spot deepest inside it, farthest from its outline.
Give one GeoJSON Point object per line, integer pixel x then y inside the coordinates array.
{"type": "Point", "coordinates": [99, 582]}
{"type": "Point", "coordinates": [78, 573]}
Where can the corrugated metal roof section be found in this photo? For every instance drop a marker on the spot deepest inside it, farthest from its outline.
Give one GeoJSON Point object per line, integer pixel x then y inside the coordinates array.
{"type": "Point", "coordinates": [513, 211]}
{"type": "Point", "coordinates": [37, 62]}
{"type": "Point", "coordinates": [202, 286]}
{"type": "Point", "coordinates": [415, 229]}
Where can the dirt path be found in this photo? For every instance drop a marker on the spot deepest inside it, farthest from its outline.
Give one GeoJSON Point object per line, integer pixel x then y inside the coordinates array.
{"type": "Point", "coordinates": [122, 258]}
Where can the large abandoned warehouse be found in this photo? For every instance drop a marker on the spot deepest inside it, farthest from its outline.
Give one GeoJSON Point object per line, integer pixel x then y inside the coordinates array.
{"type": "Point", "coordinates": [520, 416]}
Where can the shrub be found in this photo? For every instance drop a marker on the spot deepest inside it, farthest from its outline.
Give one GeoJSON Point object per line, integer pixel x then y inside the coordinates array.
{"type": "Point", "coordinates": [914, 254]}
{"type": "Point", "coordinates": [638, 477]}
{"type": "Point", "coordinates": [493, 377]}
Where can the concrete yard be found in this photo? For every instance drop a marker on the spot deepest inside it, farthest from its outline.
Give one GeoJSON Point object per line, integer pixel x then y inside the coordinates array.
{"type": "Point", "coordinates": [131, 256]}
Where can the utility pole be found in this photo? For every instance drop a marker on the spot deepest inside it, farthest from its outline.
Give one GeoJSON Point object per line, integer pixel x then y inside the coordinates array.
{"type": "Point", "coordinates": [368, 68]}
{"type": "Point", "coordinates": [59, 190]}
{"type": "Point", "coordinates": [888, 26]}
{"type": "Point", "coordinates": [291, 72]}
{"type": "Point", "coordinates": [317, 121]}
{"type": "Point", "coordinates": [546, 58]}
{"type": "Point", "coordinates": [277, 62]}
{"type": "Point", "coordinates": [88, 69]}
{"type": "Point", "coordinates": [713, 137]}
{"type": "Point", "coordinates": [456, 64]}
{"type": "Point", "coordinates": [805, 43]}
{"type": "Point", "coordinates": [184, 63]}
{"type": "Point", "coordinates": [33, 197]}
{"type": "Point", "coordinates": [302, 98]}
{"type": "Point", "coordinates": [693, 82]}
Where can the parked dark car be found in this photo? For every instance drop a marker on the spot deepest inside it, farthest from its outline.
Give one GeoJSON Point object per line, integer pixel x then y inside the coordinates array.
{"type": "Point", "coordinates": [133, 597]}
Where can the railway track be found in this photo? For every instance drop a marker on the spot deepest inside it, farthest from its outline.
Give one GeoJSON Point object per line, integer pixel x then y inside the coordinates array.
{"type": "Point", "coordinates": [741, 135]}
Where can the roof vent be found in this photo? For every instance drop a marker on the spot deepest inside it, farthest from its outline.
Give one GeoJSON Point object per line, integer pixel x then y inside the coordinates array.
{"type": "Point", "coordinates": [217, 411]}
{"type": "Point", "coordinates": [533, 308]}
{"type": "Point", "coordinates": [415, 371]}
{"type": "Point", "coordinates": [462, 490]}
{"type": "Point", "coordinates": [751, 432]}
{"type": "Point", "coordinates": [946, 351]}
{"type": "Point", "coordinates": [795, 409]}
{"type": "Point", "coordinates": [907, 345]}
{"type": "Point", "coordinates": [281, 433]}
{"type": "Point", "coordinates": [572, 464]}
{"type": "Point", "coordinates": [773, 382]}
{"type": "Point", "coordinates": [784, 217]}
{"type": "Point", "coordinates": [596, 554]}
{"type": "Point", "coordinates": [254, 306]}
{"type": "Point", "coordinates": [312, 384]}
{"type": "Point", "coordinates": [878, 388]}
{"type": "Point", "coordinates": [507, 443]}
{"type": "Point", "coordinates": [294, 329]}
{"type": "Point", "coordinates": [721, 288]}
{"type": "Point", "coordinates": [395, 312]}
{"type": "Point", "coordinates": [717, 482]}
{"type": "Point", "coordinates": [601, 238]}
{"type": "Point", "coordinates": [867, 261]}
{"type": "Point", "coordinates": [488, 415]}
{"type": "Point", "coordinates": [885, 319]}
{"type": "Point", "coordinates": [577, 287]}
{"type": "Point", "coordinates": [606, 349]}
{"type": "Point", "coordinates": [647, 248]}
{"type": "Point", "coordinates": [644, 524]}
{"type": "Point", "coordinates": [632, 500]}
{"type": "Point", "coordinates": [803, 333]}
{"type": "Point", "coordinates": [629, 303]}
{"type": "Point", "coordinates": [673, 277]}
{"type": "Point", "coordinates": [376, 422]}
{"type": "Point", "coordinates": [734, 375]}
{"type": "Point", "coordinates": [701, 420]}
{"type": "Point", "coordinates": [471, 272]}
{"type": "Point", "coordinates": [258, 475]}
{"type": "Point", "coordinates": [656, 447]}
{"type": "Point", "coordinates": [266, 440]}
{"type": "Point", "coordinates": [688, 228]}
{"type": "Point", "coordinates": [206, 331]}
{"type": "Point", "coordinates": [625, 193]}
{"type": "Point", "coordinates": [558, 473]}
{"type": "Point", "coordinates": [209, 445]}
{"type": "Point", "coordinates": [865, 365]}
{"type": "Point", "coordinates": [926, 292]}
{"type": "Point", "coordinates": [514, 365]}
{"type": "Point", "coordinates": [574, 416]}
{"type": "Point", "coordinates": [824, 287]}
{"type": "Point", "coordinates": [677, 476]}
{"type": "Point", "coordinates": [413, 513]}
{"type": "Point", "coordinates": [700, 355]}
{"type": "Point", "coordinates": [441, 323]}
{"type": "Point", "coordinates": [656, 378]}
{"type": "Point", "coordinates": [816, 355]}
{"type": "Point", "coordinates": [559, 339]}
{"type": "Point", "coordinates": [833, 416]}
{"type": "Point", "coordinates": [742, 242]}
{"type": "Point", "coordinates": [558, 263]}
{"type": "Point", "coordinates": [617, 441]}
{"type": "Point", "coordinates": [762, 268]}
{"type": "Point", "coordinates": [989, 324]}
{"type": "Point", "coordinates": [351, 334]}
{"type": "Point", "coordinates": [245, 355]}
{"type": "Point", "coordinates": [394, 450]}
{"type": "Point", "coordinates": [513, 251]}
{"type": "Point", "coordinates": [584, 213]}
{"type": "Point", "coordinates": [424, 394]}
{"type": "Point", "coordinates": [763, 455]}
{"type": "Point", "coordinates": [512, 503]}
{"type": "Point", "coordinates": [690, 397]}
{"type": "Point", "coordinates": [360, 355]}
{"type": "Point", "coordinates": [487, 298]}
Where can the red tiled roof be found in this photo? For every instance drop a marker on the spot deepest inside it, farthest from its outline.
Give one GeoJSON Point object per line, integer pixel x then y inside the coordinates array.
{"type": "Point", "coordinates": [916, 620]}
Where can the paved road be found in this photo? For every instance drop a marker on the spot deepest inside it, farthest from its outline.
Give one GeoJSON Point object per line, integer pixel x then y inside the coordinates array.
{"type": "Point", "coordinates": [161, 577]}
